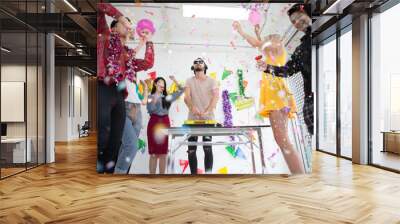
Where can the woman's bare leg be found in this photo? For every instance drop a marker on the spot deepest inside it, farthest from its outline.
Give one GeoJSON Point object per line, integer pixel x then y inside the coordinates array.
{"type": "Point", "coordinates": [162, 163]}
{"type": "Point", "coordinates": [153, 164]}
{"type": "Point", "coordinates": [279, 123]}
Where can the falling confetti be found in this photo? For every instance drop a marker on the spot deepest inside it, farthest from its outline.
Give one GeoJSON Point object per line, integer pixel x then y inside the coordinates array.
{"type": "Point", "coordinates": [184, 164]}
{"type": "Point", "coordinates": [152, 75]}
{"type": "Point", "coordinates": [110, 165]}
{"type": "Point", "coordinates": [149, 12]}
{"type": "Point", "coordinates": [200, 171]}
{"type": "Point", "coordinates": [141, 144]}
{"type": "Point", "coordinates": [225, 74]}
{"type": "Point", "coordinates": [213, 75]}
{"type": "Point", "coordinates": [122, 86]}
{"type": "Point", "coordinates": [254, 17]}
{"type": "Point", "coordinates": [240, 154]}
{"type": "Point", "coordinates": [223, 170]}
{"type": "Point", "coordinates": [230, 150]}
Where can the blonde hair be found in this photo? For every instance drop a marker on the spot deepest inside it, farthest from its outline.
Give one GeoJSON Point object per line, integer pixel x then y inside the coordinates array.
{"type": "Point", "coordinates": [273, 44]}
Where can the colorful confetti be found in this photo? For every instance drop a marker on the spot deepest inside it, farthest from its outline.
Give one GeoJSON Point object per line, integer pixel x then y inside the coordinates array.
{"type": "Point", "coordinates": [184, 164]}
{"type": "Point", "coordinates": [223, 170]}
{"type": "Point", "coordinates": [240, 154]}
{"type": "Point", "coordinates": [230, 150]}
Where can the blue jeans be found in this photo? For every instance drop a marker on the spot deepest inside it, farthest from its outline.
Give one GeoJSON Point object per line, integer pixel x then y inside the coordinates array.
{"type": "Point", "coordinates": [130, 137]}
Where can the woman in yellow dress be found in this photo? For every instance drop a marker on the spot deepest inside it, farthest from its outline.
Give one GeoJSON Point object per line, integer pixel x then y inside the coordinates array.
{"type": "Point", "coordinates": [276, 101]}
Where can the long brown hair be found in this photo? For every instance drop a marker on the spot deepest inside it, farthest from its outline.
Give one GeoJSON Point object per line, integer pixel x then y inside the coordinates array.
{"type": "Point", "coordinates": [164, 102]}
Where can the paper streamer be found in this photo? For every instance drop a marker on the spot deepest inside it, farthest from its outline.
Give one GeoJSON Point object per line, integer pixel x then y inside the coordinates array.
{"type": "Point", "coordinates": [240, 81]}
{"type": "Point", "coordinates": [184, 164]}
{"type": "Point", "coordinates": [227, 108]}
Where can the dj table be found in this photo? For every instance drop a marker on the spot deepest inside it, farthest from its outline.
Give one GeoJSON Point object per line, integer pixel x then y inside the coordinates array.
{"type": "Point", "coordinates": [243, 133]}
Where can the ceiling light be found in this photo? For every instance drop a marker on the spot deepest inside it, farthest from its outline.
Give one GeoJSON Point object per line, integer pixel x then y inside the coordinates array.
{"type": "Point", "coordinates": [84, 71]}
{"type": "Point", "coordinates": [65, 41]}
{"type": "Point", "coordinates": [215, 12]}
{"type": "Point", "coordinates": [5, 50]}
{"type": "Point", "coordinates": [70, 5]}
{"type": "Point", "coordinates": [337, 7]}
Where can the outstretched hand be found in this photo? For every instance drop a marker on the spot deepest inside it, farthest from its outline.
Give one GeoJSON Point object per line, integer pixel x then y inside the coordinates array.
{"type": "Point", "coordinates": [236, 26]}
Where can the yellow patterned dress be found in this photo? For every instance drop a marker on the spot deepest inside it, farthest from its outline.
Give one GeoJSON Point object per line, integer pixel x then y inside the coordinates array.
{"type": "Point", "coordinates": [274, 91]}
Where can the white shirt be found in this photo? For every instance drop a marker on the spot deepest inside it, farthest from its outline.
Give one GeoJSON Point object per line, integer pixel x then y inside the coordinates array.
{"type": "Point", "coordinates": [133, 96]}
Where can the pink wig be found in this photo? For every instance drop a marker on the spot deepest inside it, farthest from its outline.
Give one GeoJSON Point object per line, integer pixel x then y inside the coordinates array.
{"type": "Point", "coordinates": [145, 24]}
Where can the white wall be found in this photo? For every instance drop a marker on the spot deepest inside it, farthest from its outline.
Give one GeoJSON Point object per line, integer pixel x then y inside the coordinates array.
{"type": "Point", "coordinates": [69, 82]}
{"type": "Point", "coordinates": [176, 60]}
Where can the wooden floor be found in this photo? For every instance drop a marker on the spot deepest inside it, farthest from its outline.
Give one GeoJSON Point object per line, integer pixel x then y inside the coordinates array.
{"type": "Point", "coordinates": [70, 191]}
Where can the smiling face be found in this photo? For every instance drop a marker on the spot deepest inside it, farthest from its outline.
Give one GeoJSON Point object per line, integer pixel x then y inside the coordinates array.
{"type": "Point", "coordinates": [198, 65]}
{"type": "Point", "coordinates": [300, 20]}
{"type": "Point", "coordinates": [160, 85]}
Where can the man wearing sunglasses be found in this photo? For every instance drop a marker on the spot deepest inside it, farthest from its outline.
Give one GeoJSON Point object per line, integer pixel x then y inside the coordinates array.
{"type": "Point", "coordinates": [201, 97]}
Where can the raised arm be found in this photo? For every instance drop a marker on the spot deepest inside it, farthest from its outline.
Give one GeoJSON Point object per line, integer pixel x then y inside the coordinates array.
{"type": "Point", "coordinates": [148, 61]}
{"type": "Point", "coordinates": [103, 10]}
{"type": "Point", "coordinates": [254, 42]}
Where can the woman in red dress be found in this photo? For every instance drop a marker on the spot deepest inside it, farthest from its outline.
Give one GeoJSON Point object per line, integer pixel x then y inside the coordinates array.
{"type": "Point", "coordinates": [158, 108]}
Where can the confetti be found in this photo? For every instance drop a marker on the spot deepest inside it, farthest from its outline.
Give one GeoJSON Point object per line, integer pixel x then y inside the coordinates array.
{"type": "Point", "coordinates": [141, 144]}
{"type": "Point", "coordinates": [230, 150]}
{"type": "Point", "coordinates": [152, 75]}
{"type": "Point", "coordinates": [184, 164]}
{"type": "Point", "coordinates": [239, 153]}
{"type": "Point", "coordinates": [225, 74]}
{"type": "Point", "coordinates": [254, 17]}
{"type": "Point", "coordinates": [213, 75]}
{"type": "Point", "coordinates": [223, 170]}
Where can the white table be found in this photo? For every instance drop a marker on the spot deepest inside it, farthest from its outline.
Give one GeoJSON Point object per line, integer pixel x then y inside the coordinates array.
{"type": "Point", "coordinates": [19, 153]}
{"type": "Point", "coordinates": [243, 133]}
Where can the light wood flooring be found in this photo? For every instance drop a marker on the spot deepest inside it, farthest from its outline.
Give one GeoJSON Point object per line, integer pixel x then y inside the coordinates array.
{"type": "Point", "coordinates": [70, 191]}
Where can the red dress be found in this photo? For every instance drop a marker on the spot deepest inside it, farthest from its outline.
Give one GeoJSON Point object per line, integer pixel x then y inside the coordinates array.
{"type": "Point", "coordinates": [157, 139]}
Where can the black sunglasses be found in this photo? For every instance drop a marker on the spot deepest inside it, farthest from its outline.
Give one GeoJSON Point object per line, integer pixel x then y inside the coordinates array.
{"type": "Point", "coordinates": [198, 62]}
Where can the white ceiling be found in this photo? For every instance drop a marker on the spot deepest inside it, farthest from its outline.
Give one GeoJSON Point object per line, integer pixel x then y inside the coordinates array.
{"type": "Point", "coordinates": [173, 28]}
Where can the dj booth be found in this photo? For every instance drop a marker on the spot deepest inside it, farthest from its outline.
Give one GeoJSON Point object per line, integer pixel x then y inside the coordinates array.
{"type": "Point", "coordinates": [244, 134]}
